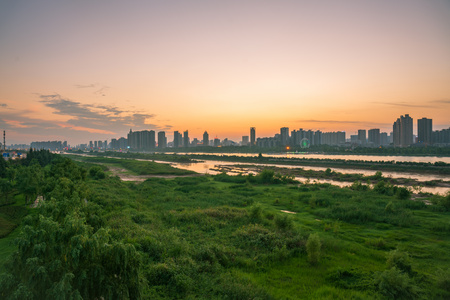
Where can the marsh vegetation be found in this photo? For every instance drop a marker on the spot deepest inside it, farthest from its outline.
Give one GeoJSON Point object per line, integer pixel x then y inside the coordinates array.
{"type": "Point", "coordinates": [259, 236]}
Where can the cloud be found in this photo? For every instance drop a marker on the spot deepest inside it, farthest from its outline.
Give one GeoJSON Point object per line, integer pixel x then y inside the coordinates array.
{"type": "Point", "coordinates": [99, 117]}
{"type": "Point", "coordinates": [100, 89]}
{"type": "Point", "coordinates": [404, 104]}
{"type": "Point", "coordinates": [84, 121]}
{"type": "Point", "coordinates": [84, 86]}
{"type": "Point", "coordinates": [441, 101]}
{"type": "Point", "coordinates": [330, 121]}
{"type": "Point", "coordinates": [3, 105]}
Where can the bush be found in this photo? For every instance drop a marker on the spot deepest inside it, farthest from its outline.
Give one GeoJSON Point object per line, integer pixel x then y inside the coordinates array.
{"type": "Point", "coordinates": [255, 214]}
{"type": "Point", "coordinates": [283, 222]}
{"type": "Point", "coordinates": [399, 260]}
{"type": "Point", "coordinates": [96, 172]}
{"type": "Point", "coordinates": [393, 284]}
{"type": "Point", "coordinates": [313, 248]}
{"type": "Point", "coordinates": [445, 202]}
{"type": "Point", "coordinates": [443, 280]}
{"type": "Point", "coordinates": [403, 193]}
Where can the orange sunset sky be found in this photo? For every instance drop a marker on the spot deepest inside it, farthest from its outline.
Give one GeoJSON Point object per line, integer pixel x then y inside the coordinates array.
{"type": "Point", "coordinates": [91, 70]}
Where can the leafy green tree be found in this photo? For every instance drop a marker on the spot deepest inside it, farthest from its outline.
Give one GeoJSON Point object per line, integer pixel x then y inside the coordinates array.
{"type": "Point", "coordinates": [313, 246]}
{"type": "Point", "coordinates": [68, 260]}
{"type": "Point", "coordinates": [394, 284]}
{"type": "Point", "coordinates": [5, 189]}
{"type": "Point", "coordinates": [399, 260]}
{"type": "Point", "coordinates": [30, 181]}
{"type": "Point", "coordinates": [3, 167]}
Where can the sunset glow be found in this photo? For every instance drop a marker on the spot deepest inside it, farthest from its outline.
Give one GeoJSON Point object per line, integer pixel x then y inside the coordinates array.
{"type": "Point", "coordinates": [84, 70]}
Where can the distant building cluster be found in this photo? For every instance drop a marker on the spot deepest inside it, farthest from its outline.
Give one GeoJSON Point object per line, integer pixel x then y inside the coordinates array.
{"type": "Point", "coordinates": [49, 145]}
{"type": "Point", "coordinates": [149, 140]}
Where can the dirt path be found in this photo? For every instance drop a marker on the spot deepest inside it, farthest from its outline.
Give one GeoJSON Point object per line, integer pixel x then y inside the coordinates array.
{"type": "Point", "coordinates": [125, 175]}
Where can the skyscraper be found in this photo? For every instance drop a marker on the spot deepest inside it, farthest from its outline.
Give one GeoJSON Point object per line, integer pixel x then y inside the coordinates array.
{"type": "Point", "coordinates": [403, 131]}
{"type": "Point", "coordinates": [245, 140]}
{"type": "Point", "coordinates": [162, 141]}
{"type": "Point", "coordinates": [374, 137]}
{"type": "Point", "coordinates": [177, 139]}
{"type": "Point", "coordinates": [362, 136]}
{"type": "Point", "coordinates": [424, 131]}
{"type": "Point", "coordinates": [252, 136]}
{"type": "Point", "coordinates": [186, 140]}
{"type": "Point", "coordinates": [284, 136]}
{"type": "Point", "coordinates": [205, 139]}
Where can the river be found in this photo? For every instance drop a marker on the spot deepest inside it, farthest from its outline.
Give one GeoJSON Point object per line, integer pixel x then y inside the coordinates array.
{"type": "Point", "coordinates": [208, 166]}
{"type": "Point", "coordinates": [426, 159]}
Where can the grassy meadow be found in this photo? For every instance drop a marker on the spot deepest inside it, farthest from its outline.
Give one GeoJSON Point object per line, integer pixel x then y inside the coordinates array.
{"type": "Point", "coordinates": [266, 236]}
{"type": "Point", "coordinates": [234, 237]}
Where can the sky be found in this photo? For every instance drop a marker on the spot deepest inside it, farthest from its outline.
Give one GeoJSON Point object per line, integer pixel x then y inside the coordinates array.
{"type": "Point", "coordinates": [94, 69]}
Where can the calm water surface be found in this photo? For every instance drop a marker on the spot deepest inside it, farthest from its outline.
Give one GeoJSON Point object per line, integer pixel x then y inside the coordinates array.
{"type": "Point", "coordinates": [430, 159]}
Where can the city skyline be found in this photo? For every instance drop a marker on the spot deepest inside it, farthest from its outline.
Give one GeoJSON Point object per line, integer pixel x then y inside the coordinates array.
{"type": "Point", "coordinates": [71, 71]}
{"type": "Point", "coordinates": [400, 136]}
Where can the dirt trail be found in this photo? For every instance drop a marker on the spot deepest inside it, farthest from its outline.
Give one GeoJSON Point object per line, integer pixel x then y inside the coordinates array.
{"type": "Point", "coordinates": [125, 175]}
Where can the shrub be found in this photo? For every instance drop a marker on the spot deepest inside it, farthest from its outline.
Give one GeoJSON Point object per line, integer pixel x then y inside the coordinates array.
{"type": "Point", "coordinates": [399, 260]}
{"type": "Point", "coordinates": [389, 207]}
{"type": "Point", "coordinates": [403, 193]}
{"type": "Point", "coordinates": [445, 202]}
{"type": "Point", "coordinates": [256, 213]}
{"type": "Point", "coordinates": [443, 280]}
{"type": "Point", "coordinates": [313, 246]}
{"type": "Point", "coordinates": [393, 284]}
{"type": "Point", "coordinates": [283, 222]}
{"type": "Point", "coordinates": [96, 172]}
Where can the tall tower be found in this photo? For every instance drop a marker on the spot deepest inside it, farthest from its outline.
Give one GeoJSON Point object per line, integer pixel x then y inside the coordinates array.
{"type": "Point", "coordinates": [162, 142]}
{"type": "Point", "coordinates": [403, 131]}
{"type": "Point", "coordinates": [205, 139]}
{"type": "Point", "coordinates": [186, 140]}
{"type": "Point", "coordinates": [424, 130]}
{"type": "Point", "coordinates": [362, 136]}
{"type": "Point", "coordinates": [252, 136]}
{"type": "Point", "coordinates": [284, 134]}
{"type": "Point", "coordinates": [374, 137]}
{"type": "Point", "coordinates": [176, 139]}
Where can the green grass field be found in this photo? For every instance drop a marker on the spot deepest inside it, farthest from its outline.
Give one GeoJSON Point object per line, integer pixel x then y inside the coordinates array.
{"type": "Point", "coordinates": [249, 237]}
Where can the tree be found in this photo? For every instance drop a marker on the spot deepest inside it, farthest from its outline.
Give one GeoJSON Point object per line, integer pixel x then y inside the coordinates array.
{"type": "Point", "coordinates": [67, 260]}
{"type": "Point", "coordinates": [313, 246]}
{"type": "Point", "coordinates": [5, 189]}
{"type": "Point", "coordinates": [30, 180]}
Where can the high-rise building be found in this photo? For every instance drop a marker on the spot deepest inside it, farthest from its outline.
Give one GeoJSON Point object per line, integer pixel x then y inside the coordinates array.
{"type": "Point", "coordinates": [141, 140]}
{"type": "Point", "coordinates": [252, 136]}
{"type": "Point", "coordinates": [162, 140]}
{"type": "Point", "coordinates": [318, 137]}
{"type": "Point", "coordinates": [403, 131]}
{"type": "Point", "coordinates": [424, 131]}
{"type": "Point", "coordinates": [374, 137]}
{"type": "Point", "coordinates": [284, 136]}
{"type": "Point", "coordinates": [333, 138]}
{"type": "Point", "coordinates": [176, 139]}
{"type": "Point", "coordinates": [205, 139]}
{"type": "Point", "coordinates": [245, 140]}
{"type": "Point", "coordinates": [186, 140]}
{"type": "Point", "coordinates": [384, 139]}
{"type": "Point", "coordinates": [362, 136]}
{"type": "Point", "coordinates": [217, 142]}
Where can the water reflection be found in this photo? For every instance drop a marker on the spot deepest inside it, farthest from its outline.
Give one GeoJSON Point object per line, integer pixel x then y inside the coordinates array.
{"type": "Point", "coordinates": [426, 159]}
{"type": "Point", "coordinates": [209, 167]}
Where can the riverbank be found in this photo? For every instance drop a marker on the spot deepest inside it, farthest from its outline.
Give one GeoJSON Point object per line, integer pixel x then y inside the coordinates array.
{"type": "Point", "coordinates": [330, 174]}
